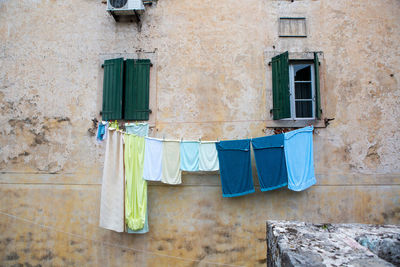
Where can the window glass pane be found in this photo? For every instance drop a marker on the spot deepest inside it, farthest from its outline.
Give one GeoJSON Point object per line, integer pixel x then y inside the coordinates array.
{"type": "Point", "coordinates": [303, 109]}
{"type": "Point", "coordinates": [302, 90]}
{"type": "Point", "coordinates": [302, 72]}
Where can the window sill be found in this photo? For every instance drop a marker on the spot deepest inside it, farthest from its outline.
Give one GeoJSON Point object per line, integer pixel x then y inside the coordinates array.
{"type": "Point", "coordinates": [295, 123]}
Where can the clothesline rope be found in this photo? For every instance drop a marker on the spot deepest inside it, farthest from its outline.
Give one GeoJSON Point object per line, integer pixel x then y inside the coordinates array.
{"type": "Point", "coordinates": [165, 139]}
{"type": "Point", "coordinates": [189, 122]}
{"type": "Point", "coordinates": [111, 244]}
{"type": "Point", "coordinates": [173, 140]}
{"type": "Point", "coordinates": [199, 122]}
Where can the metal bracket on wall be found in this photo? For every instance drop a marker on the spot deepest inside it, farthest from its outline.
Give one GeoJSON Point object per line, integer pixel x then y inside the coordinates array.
{"type": "Point", "coordinates": [149, 2]}
{"type": "Point", "coordinates": [118, 17]}
{"type": "Point", "coordinates": [137, 16]}
{"type": "Point", "coordinates": [327, 121]}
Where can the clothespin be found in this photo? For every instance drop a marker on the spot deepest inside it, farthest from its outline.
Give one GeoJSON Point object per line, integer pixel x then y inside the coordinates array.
{"type": "Point", "coordinates": [181, 139]}
{"type": "Point", "coordinates": [200, 139]}
{"type": "Point", "coordinates": [163, 137]}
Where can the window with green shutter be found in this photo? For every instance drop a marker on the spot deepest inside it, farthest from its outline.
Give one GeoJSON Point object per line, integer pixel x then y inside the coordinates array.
{"type": "Point", "coordinates": [113, 89]}
{"type": "Point", "coordinates": [126, 89]}
{"type": "Point", "coordinates": [295, 88]}
{"type": "Point", "coordinates": [280, 86]}
{"type": "Point", "coordinates": [137, 73]}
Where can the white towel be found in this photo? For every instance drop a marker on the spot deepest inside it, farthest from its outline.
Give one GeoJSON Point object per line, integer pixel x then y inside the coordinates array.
{"type": "Point", "coordinates": [208, 157]}
{"type": "Point", "coordinates": [112, 188]}
{"type": "Point", "coordinates": [171, 163]}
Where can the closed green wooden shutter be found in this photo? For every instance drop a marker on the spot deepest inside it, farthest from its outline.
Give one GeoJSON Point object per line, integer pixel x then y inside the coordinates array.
{"type": "Point", "coordinates": [112, 89]}
{"type": "Point", "coordinates": [280, 86]}
{"type": "Point", "coordinates": [137, 79]}
{"type": "Point", "coordinates": [317, 92]}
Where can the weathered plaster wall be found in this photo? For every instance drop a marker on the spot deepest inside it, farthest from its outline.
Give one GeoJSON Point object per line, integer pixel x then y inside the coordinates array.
{"type": "Point", "coordinates": [212, 81]}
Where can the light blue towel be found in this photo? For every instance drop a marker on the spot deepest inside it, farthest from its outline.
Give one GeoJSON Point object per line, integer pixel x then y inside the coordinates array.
{"type": "Point", "coordinates": [298, 146]}
{"type": "Point", "coordinates": [190, 156]}
{"type": "Point", "coordinates": [153, 151]}
{"type": "Point", "coordinates": [140, 129]}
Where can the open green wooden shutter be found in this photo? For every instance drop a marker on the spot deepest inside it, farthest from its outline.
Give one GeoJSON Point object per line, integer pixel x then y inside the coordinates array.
{"type": "Point", "coordinates": [317, 92]}
{"type": "Point", "coordinates": [112, 89]}
{"type": "Point", "coordinates": [280, 86]}
{"type": "Point", "coordinates": [137, 79]}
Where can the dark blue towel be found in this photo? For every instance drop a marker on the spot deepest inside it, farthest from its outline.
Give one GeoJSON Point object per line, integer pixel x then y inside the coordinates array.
{"type": "Point", "coordinates": [270, 161]}
{"type": "Point", "coordinates": [235, 167]}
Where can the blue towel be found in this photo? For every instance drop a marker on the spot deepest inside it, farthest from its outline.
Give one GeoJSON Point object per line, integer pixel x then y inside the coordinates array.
{"type": "Point", "coordinates": [299, 156]}
{"type": "Point", "coordinates": [235, 167]}
{"type": "Point", "coordinates": [270, 161]}
{"type": "Point", "coordinates": [190, 156]}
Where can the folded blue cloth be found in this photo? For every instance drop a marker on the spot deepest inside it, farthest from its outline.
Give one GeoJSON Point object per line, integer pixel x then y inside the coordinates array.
{"type": "Point", "coordinates": [190, 156]}
{"type": "Point", "coordinates": [270, 161]}
{"type": "Point", "coordinates": [298, 146]}
{"type": "Point", "coordinates": [101, 131]}
{"type": "Point", "coordinates": [235, 167]}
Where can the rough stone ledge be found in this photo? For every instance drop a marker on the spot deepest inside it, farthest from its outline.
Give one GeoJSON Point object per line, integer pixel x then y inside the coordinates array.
{"type": "Point", "coordinates": [303, 244]}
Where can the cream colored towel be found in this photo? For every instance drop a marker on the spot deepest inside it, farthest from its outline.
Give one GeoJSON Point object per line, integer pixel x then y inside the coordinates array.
{"type": "Point", "coordinates": [171, 163]}
{"type": "Point", "coordinates": [112, 188]}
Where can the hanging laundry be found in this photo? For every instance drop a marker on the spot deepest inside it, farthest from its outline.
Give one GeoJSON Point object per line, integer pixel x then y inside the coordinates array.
{"type": "Point", "coordinates": [145, 228]}
{"type": "Point", "coordinates": [270, 161]}
{"type": "Point", "coordinates": [171, 171]}
{"type": "Point", "coordinates": [140, 129]}
{"type": "Point", "coordinates": [235, 167]}
{"type": "Point", "coordinates": [208, 157]}
{"type": "Point", "coordinates": [102, 131]}
{"type": "Point", "coordinates": [112, 187]}
{"type": "Point", "coordinates": [190, 156]}
{"type": "Point", "coordinates": [153, 159]}
{"type": "Point", "coordinates": [136, 187]}
{"type": "Point", "coordinates": [114, 125]}
{"type": "Point", "coordinates": [298, 146]}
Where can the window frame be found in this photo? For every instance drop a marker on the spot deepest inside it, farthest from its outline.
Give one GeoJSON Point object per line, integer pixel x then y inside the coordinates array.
{"type": "Point", "coordinates": [320, 115]}
{"type": "Point", "coordinates": [292, 90]}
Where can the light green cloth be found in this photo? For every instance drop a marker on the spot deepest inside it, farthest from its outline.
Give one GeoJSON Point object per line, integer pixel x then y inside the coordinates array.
{"type": "Point", "coordinates": [136, 186]}
{"type": "Point", "coordinates": [144, 230]}
{"type": "Point", "coordinates": [114, 125]}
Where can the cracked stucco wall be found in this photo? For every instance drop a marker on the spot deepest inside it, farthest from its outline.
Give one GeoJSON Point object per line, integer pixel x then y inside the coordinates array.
{"type": "Point", "coordinates": [211, 81]}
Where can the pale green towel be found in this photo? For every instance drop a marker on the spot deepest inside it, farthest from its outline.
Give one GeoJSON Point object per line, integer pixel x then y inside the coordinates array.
{"type": "Point", "coordinates": [171, 163]}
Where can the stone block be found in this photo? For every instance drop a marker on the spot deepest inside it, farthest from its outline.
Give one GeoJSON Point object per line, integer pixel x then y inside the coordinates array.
{"type": "Point", "coordinates": [303, 244]}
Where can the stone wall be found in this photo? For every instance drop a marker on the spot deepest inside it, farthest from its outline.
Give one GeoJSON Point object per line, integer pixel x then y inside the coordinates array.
{"type": "Point", "coordinates": [293, 243]}
{"type": "Point", "coordinates": [210, 80]}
